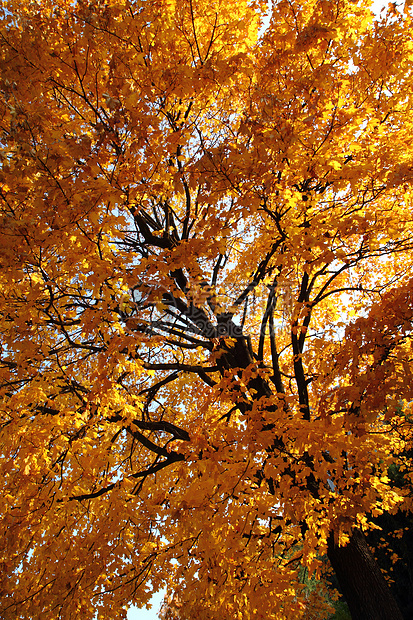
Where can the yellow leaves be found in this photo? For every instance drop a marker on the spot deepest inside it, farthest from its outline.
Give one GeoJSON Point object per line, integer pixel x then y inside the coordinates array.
{"type": "Point", "coordinates": [111, 102]}
{"type": "Point", "coordinates": [311, 35]}
{"type": "Point", "coordinates": [35, 278]}
{"type": "Point", "coordinates": [165, 186]}
{"type": "Point", "coordinates": [27, 467]}
{"type": "Point", "coordinates": [336, 165]}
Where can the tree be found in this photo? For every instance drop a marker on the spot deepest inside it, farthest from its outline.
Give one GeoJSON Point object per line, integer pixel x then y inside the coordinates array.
{"type": "Point", "coordinates": [206, 318]}
{"type": "Point", "coordinates": [392, 542]}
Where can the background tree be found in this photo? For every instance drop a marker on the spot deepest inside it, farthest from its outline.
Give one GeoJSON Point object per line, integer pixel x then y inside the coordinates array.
{"type": "Point", "coordinates": [206, 247]}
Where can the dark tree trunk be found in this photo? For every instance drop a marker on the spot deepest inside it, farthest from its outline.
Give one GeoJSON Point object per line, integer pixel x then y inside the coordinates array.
{"type": "Point", "coordinates": [361, 580]}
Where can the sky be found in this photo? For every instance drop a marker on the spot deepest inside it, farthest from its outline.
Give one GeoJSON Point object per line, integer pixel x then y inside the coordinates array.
{"type": "Point", "coordinates": [147, 614]}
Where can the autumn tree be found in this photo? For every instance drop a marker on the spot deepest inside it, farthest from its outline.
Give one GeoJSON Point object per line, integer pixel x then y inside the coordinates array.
{"type": "Point", "coordinates": [206, 303]}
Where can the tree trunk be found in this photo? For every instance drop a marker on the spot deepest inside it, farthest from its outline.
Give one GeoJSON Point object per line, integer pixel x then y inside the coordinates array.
{"type": "Point", "coordinates": [361, 580]}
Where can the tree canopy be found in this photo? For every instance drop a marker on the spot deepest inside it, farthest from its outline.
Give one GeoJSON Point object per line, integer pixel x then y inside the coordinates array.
{"type": "Point", "coordinates": [206, 300]}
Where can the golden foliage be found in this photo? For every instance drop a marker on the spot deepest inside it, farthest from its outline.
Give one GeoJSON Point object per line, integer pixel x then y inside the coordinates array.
{"type": "Point", "coordinates": [206, 302]}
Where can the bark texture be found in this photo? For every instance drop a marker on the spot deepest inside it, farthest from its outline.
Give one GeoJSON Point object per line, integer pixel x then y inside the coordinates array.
{"type": "Point", "coordinates": [361, 580]}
